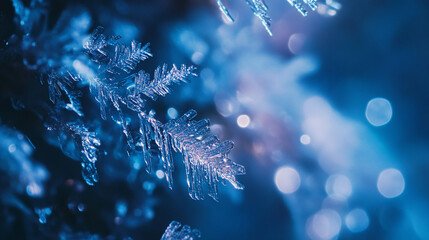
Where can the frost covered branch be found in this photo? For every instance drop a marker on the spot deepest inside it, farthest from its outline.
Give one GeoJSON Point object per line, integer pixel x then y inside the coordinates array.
{"type": "Point", "coordinates": [123, 95]}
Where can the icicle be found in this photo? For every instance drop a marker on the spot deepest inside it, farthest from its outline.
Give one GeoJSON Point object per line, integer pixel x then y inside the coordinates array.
{"type": "Point", "coordinates": [260, 9]}
{"type": "Point", "coordinates": [224, 10]}
{"type": "Point", "coordinates": [298, 7]}
{"type": "Point", "coordinates": [168, 159]}
{"type": "Point", "coordinates": [145, 142]}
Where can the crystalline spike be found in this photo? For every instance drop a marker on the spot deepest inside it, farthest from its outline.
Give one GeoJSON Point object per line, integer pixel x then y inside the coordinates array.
{"type": "Point", "coordinates": [311, 3]}
{"type": "Point", "coordinates": [224, 10]}
{"type": "Point", "coordinates": [298, 7]}
{"type": "Point", "coordinates": [260, 9]}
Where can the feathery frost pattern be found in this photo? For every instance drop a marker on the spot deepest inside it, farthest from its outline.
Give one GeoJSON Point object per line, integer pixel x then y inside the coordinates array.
{"type": "Point", "coordinates": [175, 231]}
{"type": "Point", "coordinates": [260, 9]}
{"type": "Point", "coordinates": [206, 158]}
{"type": "Point", "coordinates": [123, 94]}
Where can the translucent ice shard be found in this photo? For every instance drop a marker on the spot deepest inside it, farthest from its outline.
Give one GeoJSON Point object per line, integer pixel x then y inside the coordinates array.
{"type": "Point", "coordinates": [175, 231]}
{"type": "Point", "coordinates": [224, 10]}
{"type": "Point", "coordinates": [74, 137]}
{"type": "Point", "coordinates": [260, 9]}
{"type": "Point", "coordinates": [89, 143]}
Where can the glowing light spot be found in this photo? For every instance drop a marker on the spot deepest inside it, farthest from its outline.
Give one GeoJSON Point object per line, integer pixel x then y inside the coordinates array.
{"type": "Point", "coordinates": [136, 165]}
{"type": "Point", "coordinates": [243, 121]}
{"type": "Point", "coordinates": [43, 214]}
{"type": "Point", "coordinates": [225, 105]}
{"type": "Point", "coordinates": [391, 183]}
{"type": "Point", "coordinates": [121, 208]}
{"type": "Point", "coordinates": [81, 207]}
{"type": "Point", "coordinates": [149, 213]}
{"type": "Point", "coordinates": [378, 112]}
{"type": "Point", "coordinates": [325, 224]}
{"type": "Point", "coordinates": [197, 57]}
{"type": "Point", "coordinates": [159, 174]}
{"type": "Point", "coordinates": [83, 70]}
{"type": "Point", "coordinates": [149, 187]}
{"type": "Point", "coordinates": [338, 187]}
{"type": "Point", "coordinates": [34, 190]}
{"type": "Point", "coordinates": [12, 148]}
{"type": "Point", "coordinates": [357, 220]}
{"type": "Point", "coordinates": [287, 180]}
{"type": "Point", "coordinates": [305, 139]}
{"type": "Point", "coordinates": [172, 113]}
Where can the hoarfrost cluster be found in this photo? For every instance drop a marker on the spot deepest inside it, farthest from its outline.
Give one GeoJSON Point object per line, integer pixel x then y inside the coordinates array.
{"type": "Point", "coordinates": [122, 94]}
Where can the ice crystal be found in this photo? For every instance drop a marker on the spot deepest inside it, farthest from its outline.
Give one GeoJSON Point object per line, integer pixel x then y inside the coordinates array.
{"type": "Point", "coordinates": [62, 86]}
{"type": "Point", "coordinates": [260, 9]}
{"type": "Point", "coordinates": [119, 92]}
{"type": "Point", "coordinates": [206, 158]}
{"type": "Point", "coordinates": [162, 79]}
{"type": "Point", "coordinates": [175, 231]}
{"type": "Point", "coordinates": [74, 137]}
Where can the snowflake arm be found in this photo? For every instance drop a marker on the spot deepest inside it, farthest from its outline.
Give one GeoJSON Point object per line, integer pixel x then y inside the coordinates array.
{"type": "Point", "coordinates": [126, 58]}
{"type": "Point", "coordinates": [163, 78]}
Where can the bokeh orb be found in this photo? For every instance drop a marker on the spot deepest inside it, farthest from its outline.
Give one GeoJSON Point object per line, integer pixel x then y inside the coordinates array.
{"type": "Point", "coordinates": [243, 121]}
{"type": "Point", "coordinates": [357, 220]}
{"type": "Point", "coordinates": [305, 139]}
{"type": "Point", "coordinates": [287, 180]}
{"type": "Point", "coordinates": [338, 187]}
{"type": "Point", "coordinates": [172, 113]}
{"type": "Point", "coordinates": [159, 174]}
{"type": "Point", "coordinates": [378, 112]}
{"type": "Point", "coordinates": [325, 224]}
{"type": "Point", "coordinates": [391, 183]}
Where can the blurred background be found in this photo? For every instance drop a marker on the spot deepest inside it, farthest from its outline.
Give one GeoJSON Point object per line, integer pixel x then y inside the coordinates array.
{"type": "Point", "coordinates": [329, 117]}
